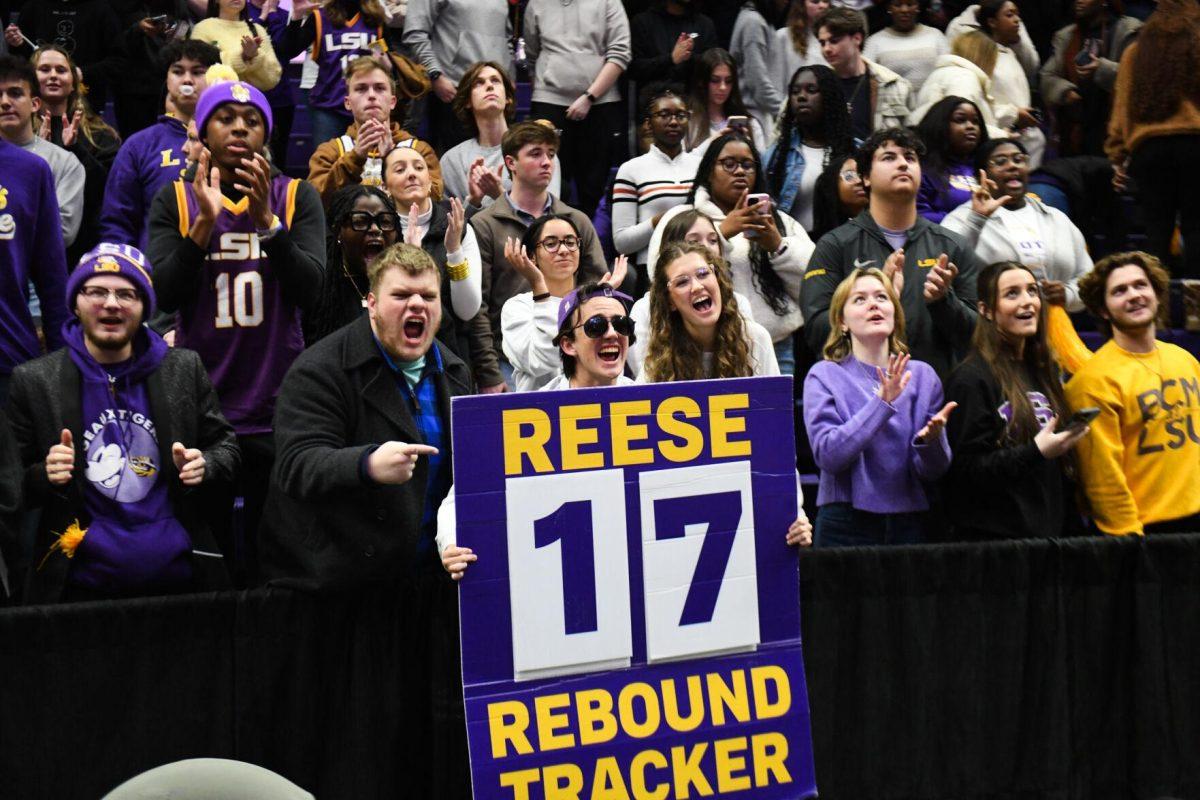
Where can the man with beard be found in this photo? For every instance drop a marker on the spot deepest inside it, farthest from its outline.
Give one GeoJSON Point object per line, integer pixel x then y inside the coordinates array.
{"type": "Point", "coordinates": [121, 440]}
{"type": "Point", "coordinates": [1140, 464]}
{"type": "Point", "coordinates": [239, 253]}
{"type": "Point", "coordinates": [363, 431]}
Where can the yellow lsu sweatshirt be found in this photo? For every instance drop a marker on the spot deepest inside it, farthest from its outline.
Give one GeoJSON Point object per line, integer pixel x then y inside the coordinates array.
{"type": "Point", "coordinates": [1140, 462]}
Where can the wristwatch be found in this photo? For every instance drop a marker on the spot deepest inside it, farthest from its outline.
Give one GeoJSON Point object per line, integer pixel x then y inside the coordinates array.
{"type": "Point", "coordinates": [591, 97]}
{"type": "Point", "coordinates": [434, 74]}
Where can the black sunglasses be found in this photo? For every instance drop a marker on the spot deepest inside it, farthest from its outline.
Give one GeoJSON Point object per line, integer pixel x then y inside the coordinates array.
{"type": "Point", "coordinates": [597, 326]}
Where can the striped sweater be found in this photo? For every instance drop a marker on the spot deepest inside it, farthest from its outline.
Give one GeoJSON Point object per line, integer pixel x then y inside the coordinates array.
{"type": "Point", "coordinates": [646, 186]}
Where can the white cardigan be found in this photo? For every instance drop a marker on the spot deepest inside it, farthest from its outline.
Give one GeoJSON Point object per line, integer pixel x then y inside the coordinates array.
{"type": "Point", "coordinates": [956, 76]}
{"type": "Point", "coordinates": [790, 266]}
{"type": "Point", "coordinates": [991, 238]}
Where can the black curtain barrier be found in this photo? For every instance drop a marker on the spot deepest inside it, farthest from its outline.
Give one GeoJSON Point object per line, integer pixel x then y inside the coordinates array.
{"type": "Point", "coordinates": [1058, 670]}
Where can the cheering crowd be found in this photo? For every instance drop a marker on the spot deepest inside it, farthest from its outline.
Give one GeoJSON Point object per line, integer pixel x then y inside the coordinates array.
{"type": "Point", "coordinates": [216, 372]}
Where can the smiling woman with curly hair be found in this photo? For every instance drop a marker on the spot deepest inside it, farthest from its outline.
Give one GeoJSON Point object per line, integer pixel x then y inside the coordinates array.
{"type": "Point", "coordinates": [1154, 131]}
{"type": "Point", "coordinates": [696, 330]}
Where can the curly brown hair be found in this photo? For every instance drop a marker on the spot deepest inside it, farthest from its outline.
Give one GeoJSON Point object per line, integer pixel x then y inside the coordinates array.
{"type": "Point", "coordinates": [461, 104]}
{"type": "Point", "coordinates": [671, 354]}
{"type": "Point", "coordinates": [1166, 63]}
{"type": "Point", "coordinates": [1093, 287]}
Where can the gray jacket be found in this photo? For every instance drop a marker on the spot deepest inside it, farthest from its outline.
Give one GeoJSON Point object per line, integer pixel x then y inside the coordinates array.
{"type": "Point", "coordinates": [1053, 74]}
{"type": "Point", "coordinates": [448, 36]}
{"type": "Point", "coordinates": [751, 45]}
{"type": "Point", "coordinates": [570, 43]}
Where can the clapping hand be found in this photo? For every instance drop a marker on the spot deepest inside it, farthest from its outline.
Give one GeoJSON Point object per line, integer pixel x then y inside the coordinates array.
{"type": "Point", "coordinates": [893, 380]}
{"type": "Point", "coordinates": [515, 254]}
{"type": "Point", "coordinates": [617, 276]}
{"type": "Point", "coordinates": [255, 182]}
{"type": "Point", "coordinates": [250, 45]}
{"type": "Point", "coordinates": [412, 232]}
{"type": "Point", "coordinates": [455, 222]}
{"type": "Point", "coordinates": [940, 279]}
{"type": "Point", "coordinates": [206, 186]}
{"type": "Point", "coordinates": [936, 423]}
{"type": "Point", "coordinates": [894, 269]}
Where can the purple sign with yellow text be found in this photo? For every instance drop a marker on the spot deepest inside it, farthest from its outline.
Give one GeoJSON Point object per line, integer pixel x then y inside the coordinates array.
{"type": "Point", "coordinates": [631, 630]}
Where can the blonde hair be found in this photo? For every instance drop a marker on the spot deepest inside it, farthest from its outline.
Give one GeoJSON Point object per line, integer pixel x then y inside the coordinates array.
{"type": "Point", "coordinates": [978, 48]}
{"type": "Point", "coordinates": [364, 64]}
{"type": "Point", "coordinates": [405, 257]}
{"type": "Point", "coordinates": [838, 346]}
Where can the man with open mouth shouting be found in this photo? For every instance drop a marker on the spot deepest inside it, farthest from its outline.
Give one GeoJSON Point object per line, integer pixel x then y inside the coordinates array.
{"type": "Point", "coordinates": [364, 463]}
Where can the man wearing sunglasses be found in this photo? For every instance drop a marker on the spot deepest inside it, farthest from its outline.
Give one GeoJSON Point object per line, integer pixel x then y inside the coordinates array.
{"type": "Point", "coordinates": [122, 440]}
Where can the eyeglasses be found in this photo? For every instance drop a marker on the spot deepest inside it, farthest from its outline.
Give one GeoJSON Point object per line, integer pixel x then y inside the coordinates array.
{"type": "Point", "coordinates": [850, 176]}
{"type": "Point", "coordinates": [667, 116]}
{"type": "Point", "coordinates": [362, 220]}
{"type": "Point", "coordinates": [683, 282]}
{"type": "Point", "coordinates": [597, 326]}
{"type": "Point", "coordinates": [552, 243]}
{"type": "Point", "coordinates": [98, 295]}
{"type": "Point", "coordinates": [1020, 159]}
{"type": "Point", "coordinates": [731, 164]}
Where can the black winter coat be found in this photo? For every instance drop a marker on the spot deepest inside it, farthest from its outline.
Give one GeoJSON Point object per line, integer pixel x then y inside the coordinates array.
{"type": "Point", "coordinates": [325, 525]}
{"type": "Point", "coordinates": [46, 396]}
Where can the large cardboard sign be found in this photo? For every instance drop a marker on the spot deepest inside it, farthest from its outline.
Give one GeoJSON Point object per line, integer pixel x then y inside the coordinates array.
{"type": "Point", "coordinates": [632, 626]}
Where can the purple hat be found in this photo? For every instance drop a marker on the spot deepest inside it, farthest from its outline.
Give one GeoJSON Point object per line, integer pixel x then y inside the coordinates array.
{"type": "Point", "coordinates": [228, 91]}
{"type": "Point", "coordinates": [113, 259]}
{"type": "Point", "coordinates": [574, 300]}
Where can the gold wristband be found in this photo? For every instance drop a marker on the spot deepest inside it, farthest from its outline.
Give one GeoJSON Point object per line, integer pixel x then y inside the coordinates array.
{"type": "Point", "coordinates": [458, 272]}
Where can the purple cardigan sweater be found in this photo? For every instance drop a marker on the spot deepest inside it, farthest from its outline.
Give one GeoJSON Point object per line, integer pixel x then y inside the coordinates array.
{"type": "Point", "coordinates": [866, 448]}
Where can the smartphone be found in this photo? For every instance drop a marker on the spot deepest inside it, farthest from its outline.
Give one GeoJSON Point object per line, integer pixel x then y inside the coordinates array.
{"type": "Point", "coordinates": [1081, 418]}
{"type": "Point", "coordinates": [740, 124]}
{"type": "Point", "coordinates": [161, 19]}
{"type": "Point", "coordinates": [1084, 58]}
{"type": "Point", "coordinates": [761, 202]}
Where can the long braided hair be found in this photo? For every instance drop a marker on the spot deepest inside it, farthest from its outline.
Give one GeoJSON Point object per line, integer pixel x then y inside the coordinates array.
{"type": "Point", "coordinates": [836, 128]}
{"type": "Point", "coordinates": [763, 274]}
{"type": "Point", "coordinates": [340, 288]}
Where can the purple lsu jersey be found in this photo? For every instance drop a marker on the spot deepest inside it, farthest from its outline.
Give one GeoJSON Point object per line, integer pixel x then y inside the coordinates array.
{"type": "Point", "coordinates": [333, 48]}
{"type": "Point", "coordinates": [246, 332]}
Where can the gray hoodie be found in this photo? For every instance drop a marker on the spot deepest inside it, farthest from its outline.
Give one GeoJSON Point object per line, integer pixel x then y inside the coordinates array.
{"type": "Point", "coordinates": [448, 36]}
{"type": "Point", "coordinates": [570, 43]}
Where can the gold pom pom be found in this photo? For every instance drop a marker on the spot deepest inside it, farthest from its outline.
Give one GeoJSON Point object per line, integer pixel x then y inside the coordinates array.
{"type": "Point", "coordinates": [219, 73]}
{"type": "Point", "coordinates": [67, 542]}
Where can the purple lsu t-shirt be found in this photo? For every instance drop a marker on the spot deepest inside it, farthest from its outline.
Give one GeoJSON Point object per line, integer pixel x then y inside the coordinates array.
{"type": "Point", "coordinates": [333, 48]}
{"type": "Point", "coordinates": [246, 332]}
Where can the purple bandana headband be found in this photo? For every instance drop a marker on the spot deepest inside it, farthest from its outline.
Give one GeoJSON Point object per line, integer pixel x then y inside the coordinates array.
{"type": "Point", "coordinates": [573, 301]}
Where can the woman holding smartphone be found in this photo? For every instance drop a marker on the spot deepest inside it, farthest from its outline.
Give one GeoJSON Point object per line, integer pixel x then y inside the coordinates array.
{"type": "Point", "coordinates": [1013, 469]}
{"type": "Point", "coordinates": [768, 251]}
